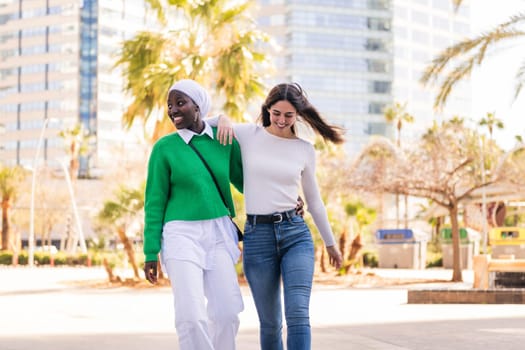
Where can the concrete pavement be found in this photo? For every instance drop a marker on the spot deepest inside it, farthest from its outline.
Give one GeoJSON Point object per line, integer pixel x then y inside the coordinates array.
{"type": "Point", "coordinates": [41, 310]}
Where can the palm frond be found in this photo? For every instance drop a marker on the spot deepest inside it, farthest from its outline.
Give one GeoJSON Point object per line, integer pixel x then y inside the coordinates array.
{"type": "Point", "coordinates": [520, 80]}
{"type": "Point", "coordinates": [513, 20]}
{"type": "Point", "coordinates": [216, 45]}
{"type": "Point", "coordinates": [451, 80]}
{"type": "Point", "coordinates": [476, 49]}
{"type": "Point", "coordinates": [157, 7]}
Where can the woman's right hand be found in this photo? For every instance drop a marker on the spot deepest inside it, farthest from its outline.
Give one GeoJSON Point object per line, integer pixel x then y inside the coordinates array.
{"type": "Point", "coordinates": [336, 260]}
{"type": "Point", "coordinates": [225, 132]}
{"type": "Point", "coordinates": [150, 270]}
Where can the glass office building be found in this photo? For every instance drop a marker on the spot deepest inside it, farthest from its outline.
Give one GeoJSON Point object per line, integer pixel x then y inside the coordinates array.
{"type": "Point", "coordinates": [353, 57]}
{"type": "Point", "coordinates": [56, 63]}
{"type": "Point", "coordinates": [356, 57]}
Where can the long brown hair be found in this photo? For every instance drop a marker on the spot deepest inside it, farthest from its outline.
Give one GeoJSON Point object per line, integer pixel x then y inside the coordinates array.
{"type": "Point", "coordinates": [294, 94]}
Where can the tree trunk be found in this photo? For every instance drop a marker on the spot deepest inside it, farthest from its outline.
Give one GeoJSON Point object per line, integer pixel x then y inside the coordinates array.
{"type": "Point", "coordinates": [128, 247]}
{"type": "Point", "coordinates": [109, 271]}
{"type": "Point", "coordinates": [456, 252]}
{"type": "Point", "coordinates": [342, 242]}
{"type": "Point", "coordinates": [406, 211]}
{"type": "Point", "coordinates": [160, 273]}
{"type": "Point", "coordinates": [162, 127]}
{"type": "Point", "coordinates": [381, 214]}
{"type": "Point", "coordinates": [16, 247]}
{"type": "Point", "coordinates": [74, 163]}
{"type": "Point", "coordinates": [321, 259]}
{"type": "Point", "coordinates": [69, 234]}
{"type": "Point", "coordinates": [355, 247]}
{"type": "Point", "coordinates": [5, 224]}
{"type": "Point", "coordinates": [439, 219]}
{"type": "Point", "coordinates": [397, 211]}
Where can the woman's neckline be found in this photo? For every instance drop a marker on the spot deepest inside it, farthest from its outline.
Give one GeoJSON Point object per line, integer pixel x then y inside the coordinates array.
{"type": "Point", "coordinates": [294, 137]}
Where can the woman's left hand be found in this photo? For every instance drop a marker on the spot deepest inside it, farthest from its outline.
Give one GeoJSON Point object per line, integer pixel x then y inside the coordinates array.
{"type": "Point", "coordinates": [336, 260]}
{"type": "Point", "coordinates": [225, 132]}
{"type": "Point", "coordinates": [299, 209]}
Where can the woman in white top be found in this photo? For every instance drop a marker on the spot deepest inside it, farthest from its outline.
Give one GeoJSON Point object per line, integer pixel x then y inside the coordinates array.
{"type": "Point", "coordinates": [278, 245]}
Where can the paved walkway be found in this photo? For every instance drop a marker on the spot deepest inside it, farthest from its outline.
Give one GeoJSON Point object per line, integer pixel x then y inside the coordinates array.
{"type": "Point", "coordinates": [40, 310]}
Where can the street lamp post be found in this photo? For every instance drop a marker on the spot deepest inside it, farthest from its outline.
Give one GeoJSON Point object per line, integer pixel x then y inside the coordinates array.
{"type": "Point", "coordinates": [31, 239]}
{"type": "Point", "coordinates": [483, 198]}
{"type": "Point", "coordinates": [81, 238]}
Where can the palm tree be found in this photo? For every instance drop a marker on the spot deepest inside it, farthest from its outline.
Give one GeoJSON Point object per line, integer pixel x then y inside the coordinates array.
{"type": "Point", "coordinates": [76, 140]}
{"type": "Point", "coordinates": [120, 214]}
{"type": "Point", "coordinates": [361, 216]}
{"type": "Point", "coordinates": [469, 53]}
{"type": "Point", "coordinates": [491, 122]}
{"type": "Point", "coordinates": [380, 154]}
{"type": "Point", "coordinates": [215, 43]}
{"type": "Point", "coordinates": [10, 180]}
{"type": "Point", "coordinates": [398, 115]}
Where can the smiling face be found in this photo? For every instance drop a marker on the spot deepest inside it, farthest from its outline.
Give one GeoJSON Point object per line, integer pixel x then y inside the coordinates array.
{"type": "Point", "coordinates": [282, 118]}
{"type": "Point", "coordinates": [183, 112]}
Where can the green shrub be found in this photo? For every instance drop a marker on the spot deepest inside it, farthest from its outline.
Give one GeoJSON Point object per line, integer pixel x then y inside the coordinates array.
{"type": "Point", "coordinates": [96, 259]}
{"type": "Point", "coordinates": [23, 258]}
{"type": "Point", "coordinates": [116, 258]}
{"type": "Point", "coordinates": [370, 259]}
{"type": "Point", "coordinates": [6, 257]}
{"type": "Point", "coordinates": [434, 259]}
{"type": "Point", "coordinates": [42, 258]}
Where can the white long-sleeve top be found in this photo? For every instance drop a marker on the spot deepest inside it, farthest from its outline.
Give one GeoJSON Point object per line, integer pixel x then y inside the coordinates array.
{"type": "Point", "coordinates": [275, 169]}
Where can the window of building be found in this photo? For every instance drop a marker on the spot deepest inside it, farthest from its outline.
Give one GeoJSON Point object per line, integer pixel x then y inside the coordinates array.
{"type": "Point", "coordinates": [375, 44]}
{"type": "Point", "coordinates": [445, 5]}
{"type": "Point", "coordinates": [380, 87]}
{"type": "Point", "coordinates": [380, 24]}
{"type": "Point", "coordinates": [378, 66]}
{"type": "Point", "coordinates": [420, 37]}
{"type": "Point", "coordinates": [376, 107]}
{"type": "Point", "coordinates": [462, 28]}
{"type": "Point", "coordinates": [420, 17]}
{"type": "Point", "coordinates": [440, 23]}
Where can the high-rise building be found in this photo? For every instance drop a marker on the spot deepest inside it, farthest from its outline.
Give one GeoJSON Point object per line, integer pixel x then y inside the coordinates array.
{"type": "Point", "coordinates": [422, 29]}
{"type": "Point", "coordinates": [353, 57]}
{"type": "Point", "coordinates": [357, 57]}
{"type": "Point", "coordinates": [57, 63]}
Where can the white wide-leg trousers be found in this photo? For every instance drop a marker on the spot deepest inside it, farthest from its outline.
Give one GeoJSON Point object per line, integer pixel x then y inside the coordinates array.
{"type": "Point", "coordinates": [202, 325]}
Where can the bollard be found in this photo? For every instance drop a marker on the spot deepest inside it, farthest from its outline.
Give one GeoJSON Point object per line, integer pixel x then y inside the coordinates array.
{"type": "Point", "coordinates": [481, 265]}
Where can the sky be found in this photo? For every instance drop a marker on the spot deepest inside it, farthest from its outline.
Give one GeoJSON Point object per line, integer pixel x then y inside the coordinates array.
{"type": "Point", "coordinates": [494, 81]}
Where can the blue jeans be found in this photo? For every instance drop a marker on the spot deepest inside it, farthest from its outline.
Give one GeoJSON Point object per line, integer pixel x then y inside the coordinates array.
{"type": "Point", "coordinates": [271, 252]}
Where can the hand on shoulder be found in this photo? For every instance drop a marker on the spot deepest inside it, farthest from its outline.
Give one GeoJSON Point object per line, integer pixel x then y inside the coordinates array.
{"type": "Point", "coordinates": [225, 132]}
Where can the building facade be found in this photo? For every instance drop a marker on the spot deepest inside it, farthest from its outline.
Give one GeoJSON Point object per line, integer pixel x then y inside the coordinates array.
{"type": "Point", "coordinates": [357, 57]}
{"type": "Point", "coordinates": [353, 57]}
{"type": "Point", "coordinates": [57, 69]}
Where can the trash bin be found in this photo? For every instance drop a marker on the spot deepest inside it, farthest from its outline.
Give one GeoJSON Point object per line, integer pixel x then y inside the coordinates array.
{"type": "Point", "coordinates": [507, 241]}
{"type": "Point", "coordinates": [468, 246]}
{"type": "Point", "coordinates": [401, 248]}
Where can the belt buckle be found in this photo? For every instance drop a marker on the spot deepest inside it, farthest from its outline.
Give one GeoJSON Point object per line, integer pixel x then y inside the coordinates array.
{"type": "Point", "coordinates": [280, 218]}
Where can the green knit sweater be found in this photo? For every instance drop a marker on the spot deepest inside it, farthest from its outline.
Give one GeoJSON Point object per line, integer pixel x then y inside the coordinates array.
{"type": "Point", "coordinates": [179, 187]}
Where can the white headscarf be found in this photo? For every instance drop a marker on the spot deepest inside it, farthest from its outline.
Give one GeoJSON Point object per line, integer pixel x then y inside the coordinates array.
{"type": "Point", "coordinates": [196, 92]}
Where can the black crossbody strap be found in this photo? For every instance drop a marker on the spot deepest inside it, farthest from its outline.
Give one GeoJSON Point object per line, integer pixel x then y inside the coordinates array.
{"type": "Point", "coordinates": [211, 173]}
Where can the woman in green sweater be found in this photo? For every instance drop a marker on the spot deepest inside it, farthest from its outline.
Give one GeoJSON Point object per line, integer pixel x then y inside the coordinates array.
{"type": "Point", "coordinates": [187, 222]}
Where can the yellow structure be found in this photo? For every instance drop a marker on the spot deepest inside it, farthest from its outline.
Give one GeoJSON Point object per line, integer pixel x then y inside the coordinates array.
{"type": "Point", "coordinates": [508, 242]}
{"type": "Point", "coordinates": [507, 236]}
